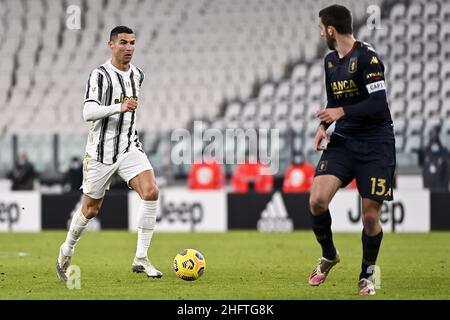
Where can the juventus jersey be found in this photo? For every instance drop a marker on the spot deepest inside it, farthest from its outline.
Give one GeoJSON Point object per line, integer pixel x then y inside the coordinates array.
{"type": "Point", "coordinates": [114, 135]}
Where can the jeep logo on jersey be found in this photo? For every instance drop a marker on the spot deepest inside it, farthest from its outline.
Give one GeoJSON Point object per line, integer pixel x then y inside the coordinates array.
{"type": "Point", "coordinates": [275, 216]}
{"type": "Point", "coordinates": [124, 98]}
{"type": "Point", "coordinates": [9, 213]}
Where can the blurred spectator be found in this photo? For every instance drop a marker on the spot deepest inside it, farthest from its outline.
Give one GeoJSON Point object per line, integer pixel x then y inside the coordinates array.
{"type": "Point", "coordinates": [299, 175]}
{"type": "Point", "coordinates": [74, 176]}
{"type": "Point", "coordinates": [252, 177]}
{"type": "Point", "coordinates": [206, 176]}
{"type": "Point", "coordinates": [435, 168]}
{"type": "Point", "coordinates": [23, 174]}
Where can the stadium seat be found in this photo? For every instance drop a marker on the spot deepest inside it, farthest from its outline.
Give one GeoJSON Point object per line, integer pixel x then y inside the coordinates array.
{"type": "Point", "coordinates": [381, 36]}
{"type": "Point", "coordinates": [415, 51]}
{"type": "Point", "coordinates": [398, 51]}
{"type": "Point", "coordinates": [398, 33]}
{"type": "Point", "coordinates": [267, 92]}
{"type": "Point", "coordinates": [316, 72]}
{"type": "Point", "coordinates": [432, 107]}
{"type": "Point", "coordinates": [432, 69]}
{"type": "Point", "coordinates": [445, 110]}
{"type": "Point", "coordinates": [397, 90]}
{"type": "Point", "coordinates": [432, 88]}
{"type": "Point", "coordinates": [445, 134]}
{"type": "Point", "coordinates": [283, 91]}
{"type": "Point", "coordinates": [431, 31]}
{"type": "Point", "coordinates": [445, 71]}
{"type": "Point", "coordinates": [414, 32]}
{"type": "Point", "coordinates": [445, 12]}
{"type": "Point", "coordinates": [432, 50]}
{"type": "Point", "coordinates": [399, 141]}
{"type": "Point", "coordinates": [415, 70]}
{"type": "Point", "coordinates": [299, 73]}
{"type": "Point", "coordinates": [413, 143]}
{"type": "Point", "coordinates": [397, 108]}
{"type": "Point", "coordinates": [415, 88]}
{"type": "Point", "coordinates": [384, 50]}
{"type": "Point", "coordinates": [249, 176]}
{"type": "Point", "coordinates": [415, 11]}
{"type": "Point", "coordinates": [415, 107]}
{"type": "Point", "coordinates": [298, 178]}
{"type": "Point", "coordinates": [398, 12]}
{"type": "Point", "coordinates": [398, 71]}
{"type": "Point", "coordinates": [206, 176]}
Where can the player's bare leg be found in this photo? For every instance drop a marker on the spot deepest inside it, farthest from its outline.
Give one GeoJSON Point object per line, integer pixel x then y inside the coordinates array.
{"type": "Point", "coordinates": [372, 235]}
{"type": "Point", "coordinates": [80, 220]}
{"type": "Point", "coordinates": [145, 185]}
{"type": "Point", "coordinates": [322, 191]}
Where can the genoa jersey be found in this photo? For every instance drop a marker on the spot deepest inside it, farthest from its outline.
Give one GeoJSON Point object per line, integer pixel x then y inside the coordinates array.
{"type": "Point", "coordinates": [351, 80]}
{"type": "Point", "coordinates": [112, 136]}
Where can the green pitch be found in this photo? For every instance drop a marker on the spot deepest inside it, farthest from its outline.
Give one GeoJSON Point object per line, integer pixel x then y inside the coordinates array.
{"type": "Point", "coordinates": [240, 265]}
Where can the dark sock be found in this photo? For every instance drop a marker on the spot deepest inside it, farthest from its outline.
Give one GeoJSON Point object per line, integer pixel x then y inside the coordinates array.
{"type": "Point", "coordinates": [322, 229]}
{"type": "Point", "coordinates": [371, 246]}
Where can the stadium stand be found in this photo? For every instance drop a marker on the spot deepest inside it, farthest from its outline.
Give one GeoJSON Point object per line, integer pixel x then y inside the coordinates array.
{"type": "Point", "coordinates": [234, 64]}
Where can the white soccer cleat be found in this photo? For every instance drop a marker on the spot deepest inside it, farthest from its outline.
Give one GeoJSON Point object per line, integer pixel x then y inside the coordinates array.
{"type": "Point", "coordinates": [62, 265]}
{"type": "Point", "coordinates": [144, 265]}
{"type": "Point", "coordinates": [366, 288]}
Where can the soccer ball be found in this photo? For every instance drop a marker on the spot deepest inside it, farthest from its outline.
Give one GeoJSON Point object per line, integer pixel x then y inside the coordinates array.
{"type": "Point", "coordinates": [189, 264]}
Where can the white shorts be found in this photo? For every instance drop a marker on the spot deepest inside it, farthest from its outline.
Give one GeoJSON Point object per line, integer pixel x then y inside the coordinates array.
{"type": "Point", "coordinates": [97, 176]}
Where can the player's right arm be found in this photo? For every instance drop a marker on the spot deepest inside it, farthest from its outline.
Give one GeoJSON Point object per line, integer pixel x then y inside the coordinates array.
{"type": "Point", "coordinates": [322, 130]}
{"type": "Point", "coordinates": [96, 88]}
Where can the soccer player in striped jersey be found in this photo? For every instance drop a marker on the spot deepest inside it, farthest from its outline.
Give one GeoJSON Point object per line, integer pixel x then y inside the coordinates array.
{"type": "Point", "coordinates": [113, 146]}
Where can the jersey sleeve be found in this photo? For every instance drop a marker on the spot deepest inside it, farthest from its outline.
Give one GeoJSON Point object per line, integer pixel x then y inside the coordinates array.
{"type": "Point", "coordinates": [141, 76]}
{"type": "Point", "coordinates": [95, 87]}
{"type": "Point", "coordinates": [331, 103]}
{"type": "Point", "coordinates": [372, 74]}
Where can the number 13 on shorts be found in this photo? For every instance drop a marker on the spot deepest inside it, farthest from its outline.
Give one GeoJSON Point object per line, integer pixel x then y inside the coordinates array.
{"type": "Point", "coordinates": [379, 187]}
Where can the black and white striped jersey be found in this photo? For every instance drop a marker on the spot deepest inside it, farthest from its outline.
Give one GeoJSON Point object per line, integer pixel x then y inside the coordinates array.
{"type": "Point", "coordinates": [116, 134]}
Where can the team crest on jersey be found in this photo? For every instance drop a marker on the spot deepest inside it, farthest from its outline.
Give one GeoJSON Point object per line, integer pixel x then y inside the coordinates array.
{"type": "Point", "coordinates": [93, 88]}
{"type": "Point", "coordinates": [353, 65]}
{"type": "Point", "coordinates": [374, 60]}
{"type": "Point", "coordinates": [322, 166]}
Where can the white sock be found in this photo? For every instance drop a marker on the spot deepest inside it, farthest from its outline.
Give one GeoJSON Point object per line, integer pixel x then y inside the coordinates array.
{"type": "Point", "coordinates": [77, 226]}
{"type": "Point", "coordinates": [146, 225]}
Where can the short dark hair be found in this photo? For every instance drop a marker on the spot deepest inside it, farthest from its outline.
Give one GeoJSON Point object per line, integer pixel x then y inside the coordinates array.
{"type": "Point", "coordinates": [119, 29]}
{"type": "Point", "coordinates": [338, 17]}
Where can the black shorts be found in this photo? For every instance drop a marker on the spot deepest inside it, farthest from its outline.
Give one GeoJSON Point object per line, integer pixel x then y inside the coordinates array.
{"type": "Point", "coordinates": [371, 164]}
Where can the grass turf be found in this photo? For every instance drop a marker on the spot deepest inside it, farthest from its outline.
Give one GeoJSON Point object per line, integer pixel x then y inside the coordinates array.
{"type": "Point", "coordinates": [239, 265]}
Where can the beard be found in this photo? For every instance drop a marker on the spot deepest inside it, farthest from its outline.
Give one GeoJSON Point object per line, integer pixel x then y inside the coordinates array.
{"type": "Point", "coordinates": [331, 42]}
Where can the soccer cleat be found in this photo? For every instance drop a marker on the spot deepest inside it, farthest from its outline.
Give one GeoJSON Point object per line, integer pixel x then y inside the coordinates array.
{"type": "Point", "coordinates": [366, 288]}
{"type": "Point", "coordinates": [322, 269]}
{"type": "Point", "coordinates": [62, 265]}
{"type": "Point", "coordinates": [144, 265]}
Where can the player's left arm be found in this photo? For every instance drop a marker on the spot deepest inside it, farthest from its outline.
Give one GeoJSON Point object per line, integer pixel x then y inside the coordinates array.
{"type": "Point", "coordinates": [372, 75]}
